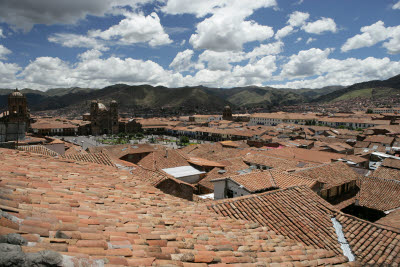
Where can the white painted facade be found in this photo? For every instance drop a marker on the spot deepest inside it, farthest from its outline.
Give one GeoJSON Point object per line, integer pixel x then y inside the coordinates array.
{"type": "Point", "coordinates": [222, 187]}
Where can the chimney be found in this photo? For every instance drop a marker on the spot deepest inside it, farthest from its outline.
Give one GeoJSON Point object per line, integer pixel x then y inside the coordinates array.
{"type": "Point", "coordinates": [166, 153]}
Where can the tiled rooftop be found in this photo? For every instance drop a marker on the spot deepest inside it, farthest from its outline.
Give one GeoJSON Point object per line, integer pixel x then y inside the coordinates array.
{"type": "Point", "coordinates": [300, 214]}
{"type": "Point", "coordinates": [387, 173]}
{"type": "Point", "coordinates": [257, 158]}
{"type": "Point", "coordinates": [108, 214]}
{"type": "Point", "coordinates": [380, 194]}
{"type": "Point", "coordinates": [391, 163]}
{"type": "Point", "coordinates": [98, 158]}
{"type": "Point", "coordinates": [263, 180]}
{"type": "Point", "coordinates": [39, 149]}
{"type": "Point", "coordinates": [332, 174]}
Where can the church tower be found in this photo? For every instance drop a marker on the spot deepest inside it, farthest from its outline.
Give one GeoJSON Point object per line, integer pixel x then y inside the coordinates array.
{"type": "Point", "coordinates": [17, 107]}
{"type": "Point", "coordinates": [114, 117]}
{"type": "Point", "coordinates": [227, 113]}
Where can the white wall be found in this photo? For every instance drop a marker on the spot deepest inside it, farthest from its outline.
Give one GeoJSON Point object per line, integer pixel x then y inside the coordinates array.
{"type": "Point", "coordinates": [219, 189]}
{"type": "Point", "coordinates": [191, 179]}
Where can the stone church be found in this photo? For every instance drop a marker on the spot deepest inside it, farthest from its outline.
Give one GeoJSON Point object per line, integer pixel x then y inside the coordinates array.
{"type": "Point", "coordinates": [14, 122]}
{"type": "Point", "coordinates": [104, 120]}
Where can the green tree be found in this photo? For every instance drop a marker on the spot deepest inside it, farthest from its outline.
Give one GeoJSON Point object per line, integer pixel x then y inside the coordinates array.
{"type": "Point", "coordinates": [370, 111]}
{"type": "Point", "coordinates": [184, 140]}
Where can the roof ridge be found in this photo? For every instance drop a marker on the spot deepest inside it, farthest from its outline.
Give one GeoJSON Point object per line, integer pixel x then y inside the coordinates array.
{"type": "Point", "coordinates": [235, 199]}
{"type": "Point", "coordinates": [382, 226]}
{"type": "Point", "coordinates": [318, 166]}
{"type": "Point", "coordinates": [385, 179]}
{"type": "Point", "coordinates": [272, 178]}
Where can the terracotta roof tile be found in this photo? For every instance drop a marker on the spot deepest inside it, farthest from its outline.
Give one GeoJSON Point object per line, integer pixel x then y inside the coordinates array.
{"type": "Point", "coordinates": [391, 163]}
{"type": "Point", "coordinates": [300, 214]}
{"type": "Point", "coordinates": [332, 174]}
{"type": "Point", "coordinates": [386, 173]}
{"type": "Point", "coordinates": [160, 228]}
{"type": "Point", "coordinates": [38, 149]}
{"type": "Point", "coordinates": [378, 193]}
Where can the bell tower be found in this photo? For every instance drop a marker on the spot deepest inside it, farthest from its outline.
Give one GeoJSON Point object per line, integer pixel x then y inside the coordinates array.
{"type": "Point", "coordinates": [114, 117]}
{"type": "Point", "coordinates": [17, 107]}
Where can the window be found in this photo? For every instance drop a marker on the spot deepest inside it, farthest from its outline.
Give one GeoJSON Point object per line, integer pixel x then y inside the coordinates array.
{"type": "Point", "coordinates": [229, 193]}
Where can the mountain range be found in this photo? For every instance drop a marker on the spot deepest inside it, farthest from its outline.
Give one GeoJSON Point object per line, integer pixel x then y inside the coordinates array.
{"type": "Point", "coordinates": [199, 97]}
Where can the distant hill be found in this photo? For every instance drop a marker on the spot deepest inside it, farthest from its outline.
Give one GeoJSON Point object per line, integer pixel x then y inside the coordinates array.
{"type": "Point", "coordinates": [371, 89]}
{"type": "Point", "coordinates": [198, 98]}
{"type": "Point", "coordinates": [65, 91]}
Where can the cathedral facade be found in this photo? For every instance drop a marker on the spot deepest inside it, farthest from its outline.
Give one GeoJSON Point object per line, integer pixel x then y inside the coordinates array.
{"type": "Point", "coordinates": [14, 122]}
{"type": "Point", "coordinates": [104, 120]}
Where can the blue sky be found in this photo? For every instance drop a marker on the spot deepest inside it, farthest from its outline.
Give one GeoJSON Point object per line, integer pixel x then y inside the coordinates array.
{"type": "Point", "coordinates": [217, 43]}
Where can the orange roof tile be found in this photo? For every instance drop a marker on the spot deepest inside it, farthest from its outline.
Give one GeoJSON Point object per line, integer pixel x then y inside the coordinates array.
{"type": "Point", "coordinates": [300, 214]}
{"type": "Point", "coordinates": [114, 217]}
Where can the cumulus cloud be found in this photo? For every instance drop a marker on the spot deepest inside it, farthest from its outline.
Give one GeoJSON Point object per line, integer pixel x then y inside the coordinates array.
{"type": "Point", "coordinates": [228, 33]}
{"type": "Point", "coordinates": [258, 71]}
{"type": "Point", "coordinates": [320, 26]}
{"type": "Point", "coordinates": [227, 28]}
{"type": "Point", "coordinates": [316, 62]}
{"type": "Point", "coordinates": [374, 34]}
{"type": "Point", "coordinates": [285, 31]}
{"type": "Point", "coordinates": [23, 14]}
{"type": "Point", "coordinates": [266, 49]}
{"type": "Point", "coordinates": [77, 40]}
{"type": "Point", "coordinates": [182, 61]}
{"type": "Point", "coordinates": [297, 18]}
{"type": "Point", "coordinates": [305, 63]}
{"type": "Point", "coordinates": [219, 60]}
{"type": "Point", "coordinates": [8, 72]}
{"type": "Point", "coordinates": [254, 73]}
{"type": "Point", "coordinates": [204, 7]}
{"type": "Point", "coordinates": [396, 6]}
{"type": "Point", "coordinates": [94, 72]}
{"type": "Point", "coordinates": [1, 33]}
{"type": "Point", "coordinates": [4, 51]}
{"type": "Point", "coordinates": [136, 28]}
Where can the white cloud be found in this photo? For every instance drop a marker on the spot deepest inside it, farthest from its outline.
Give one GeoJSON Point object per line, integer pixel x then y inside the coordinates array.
{"type": "Point", "coordinates": [310, 39]}
{"type": "Point", "coordinates": [94, 72]}
{"type": "Point", "coordinates": [8, 72]}
{"type": "Point", "coordinates": [305, 63]}
{"type": "Point", "coordinates": [227, 29]}
{"type": "Point", "coordinates": [136, 28]}
{"type": "Point", "coordinates": [4, 51]}
{"type": "Point", "coordinates": [23, 14]}
{"type": "Point", "coordinates": [265, 50]}
{"type": "Point", "coordinates": [320, 26]}
{"type": "Point", "coordinates": [182, 61]}
{"type": "Point", "coordinates": [315, 62]}
{"type": "Point", "coordinates": [225, 33]}
{"type": "Point", "coordinates": [204, 7]}
{"type": "Point", "coordinates": [258, 71]}
{"type": "Point", "coordinates": [374, 34]}
{"type": "Point", "coordinates": [76, 40]}
{"type": "Point", "coordinates": [220, 60]}
{"type": "Point", "coordinates": [297, 18]}
{"type": "Point", "coordinates": [90, 54]}
{"type": "Point", "coordinates": [254, 73]}
{"type": "Point", "coordinates": [285, 31]}
{"type": "Point", "coordinates": [1, 33]}
{"type": "Point", "coordinates": [396, 6]}
{"type": "Point", "coordinates": [199, 8]}
{"type": "Point", "coordinates": [298, 40]}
